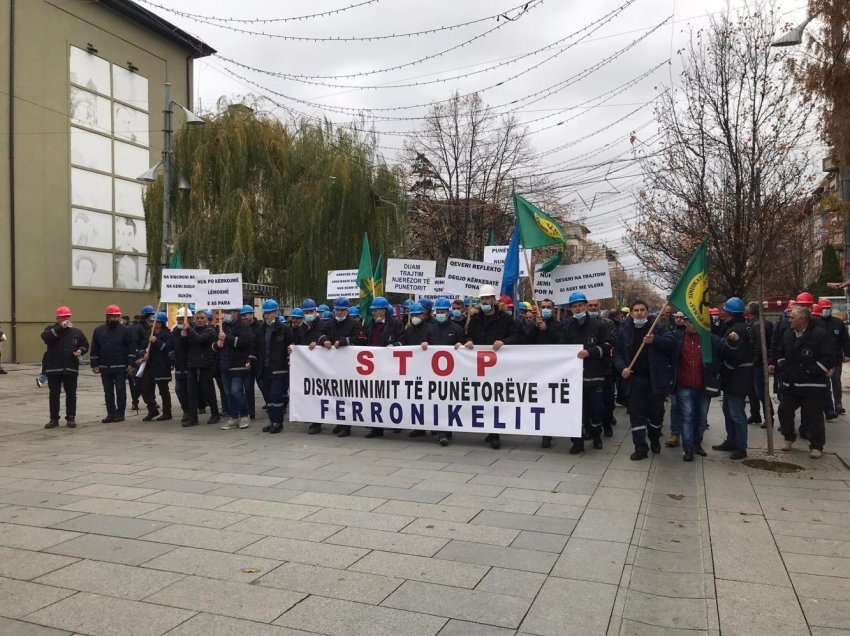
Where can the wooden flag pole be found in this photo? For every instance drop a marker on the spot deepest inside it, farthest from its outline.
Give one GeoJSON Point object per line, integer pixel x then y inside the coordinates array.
{"type": "Point", "coordinates": [648, 333]}
{"type": "Point", "coordinates": [767, 402]}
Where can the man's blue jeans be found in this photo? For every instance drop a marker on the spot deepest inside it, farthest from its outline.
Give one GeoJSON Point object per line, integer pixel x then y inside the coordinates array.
{"type": "Point", "coordinates": [736, 421]}
{"type": "Point", "coordinates": [238, 386]}
{"type": "Point", "coordinates": [692, 405]}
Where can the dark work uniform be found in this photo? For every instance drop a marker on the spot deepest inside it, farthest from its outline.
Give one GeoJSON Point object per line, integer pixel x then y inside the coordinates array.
{"type": "Point", "coordinates": [236, 358]}
{"type": "Point", "coordinates": [63, 367]}
{"type": "Point", "coordinates": [271, 348]}
{"type": "Point", "coordinates": [179, 354]}
{"type": "Point", "coordinates": [157, 376]}
{"type": "Point", "coordinates": [390, 333]}
{"type": "Point", "coordinates": [839, 340]}
{"type": "Point", "coordinates": [112, 352]}
{"type": "Point", "coordinates": [139, 334]}
{"type": "Point", "coordinates": [736, 381]}
{"type": "Point", "coordinates": [416, 334]}
{"type": "Point", "coordinates": [199, 381]}
{"type": "Point", "coordinates": [346, 333]}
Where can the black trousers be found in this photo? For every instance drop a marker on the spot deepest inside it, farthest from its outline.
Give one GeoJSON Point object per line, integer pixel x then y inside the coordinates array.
{"type": "Point", "coordinates": [149, 386]}
{"type": "Point", "coordinates": [646, 412]}
{"type": "Point", "coordinates": [199, 384]}
{"type": "Point", "coordinates": [181, 390]}
{"type": "Point", "coordinates": [133, 381]}
{"type": "Point", "coordinates": [811, 416]}
{"type": "Point", "coordinates": [56, 382]}
{"type": "Point", "coordinates": [114, 391]}
{"type": "Point", "coordinates": [222, 390]}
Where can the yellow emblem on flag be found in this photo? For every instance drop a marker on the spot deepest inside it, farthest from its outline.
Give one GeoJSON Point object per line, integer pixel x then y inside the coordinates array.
{"type": "Point", "coordinates": [696, 297]}
{"type": "Point", "coordinates": [548, 227]}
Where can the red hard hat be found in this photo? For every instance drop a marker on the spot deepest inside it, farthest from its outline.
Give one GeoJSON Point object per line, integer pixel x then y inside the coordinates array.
{"type": "Point", "coordinates": [805, 298]}
{"type": "Point", "coordinates": [506, 300]}
{"type": "Point", "coordinates": [113, 310]}
{"type": "Point", "coordinates": [714, 311]}
{"type": "Point", "coordinates": [816, 310]}
{"type": "Point", "coordinates": [825, 303]}
{"type": "Point", "coordinates": [63, 312]}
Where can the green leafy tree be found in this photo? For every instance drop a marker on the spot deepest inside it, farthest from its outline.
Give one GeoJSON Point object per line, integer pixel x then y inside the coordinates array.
{"type": "Point", "coordinates": [830, 271]}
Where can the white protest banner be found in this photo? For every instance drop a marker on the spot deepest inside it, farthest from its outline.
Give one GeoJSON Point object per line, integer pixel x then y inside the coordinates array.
{"type": "Point", "coordinates": [342, 283]}
{"type": "Point", "coordinates": [520, 390]}
{"type": "Point", "coordinates": [179, 285]}
{"type": "Point", "coordinates": [593, 278]}
{"type": "Point", "coordinates": [498, 253]}
{"type": "Point", "coordinates": [410, 277]}
{"type": "Point", "coordinates": [466, 277]}
{"type": "Point", "coordinates": [219, 291]}
{"type": "Point", "coordinates": [438, 290]}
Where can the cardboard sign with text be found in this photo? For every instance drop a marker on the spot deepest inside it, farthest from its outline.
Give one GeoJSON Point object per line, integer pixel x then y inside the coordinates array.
{"type": "Point", "coordinates": [406, 276]}
{"type": "Point", "coordinates": [342, 283]}
{"type": "Point", "coordinates": [497, 254]}
{"type": "Point", "coordinates": [466, 277]}
{"type": "Point", "coordinates": [180, 285]}
{"type": "Point", "coordinates": [219, 291]}
{"type": "Point", "coordinates": [593, 278]}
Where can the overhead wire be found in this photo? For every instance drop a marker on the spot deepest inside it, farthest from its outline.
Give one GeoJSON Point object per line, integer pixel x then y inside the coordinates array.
{"type": "Point", "coordinates": [296, 18]}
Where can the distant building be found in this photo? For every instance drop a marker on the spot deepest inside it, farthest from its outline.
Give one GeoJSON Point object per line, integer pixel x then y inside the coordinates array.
{"type": "Point", "coordinates": [82, 96]}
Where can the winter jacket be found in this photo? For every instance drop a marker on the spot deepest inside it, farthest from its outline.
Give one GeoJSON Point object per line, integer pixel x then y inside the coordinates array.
{"type": "Point", "coordinates": [61, 345]}
{"type": "Point", "coordinates": [112, 347]}
{"type": "Point", "coordinates": [160, 356]}
{"type": "Point", "coordinates": [486, 329]}
{"type": "Point", "coordinates": [238, 350]}
{"type": "Point", "coordinates": [803, 361]}
{"type": "Point", "coordinates": [179, 351]}
{"type": "Point", "coordinates": [446, 333]}
{"type": "Point", "coordinates": [659, 354]}
{"type": "Point", "coordinates": [594, 336]}
{"type": "Point", "coordinates": [415, 334]}
{"type": "Point", "coordinates": [390, 336]}
{"type": "Point", "coordinates": [552, 334]}
{"type": "Point", "coordinates": [737, 368]}
{"type": "Point", "coordinates": [199, 354]}
{"type": "Point", "coordinates": [139, 334]}
{"type": "Point", "coordinates": [839, 340]}
{"type": "Point", "coordinates": [710, 370]}
{"type": "Point", "coordinates": [343, 332]}
{"type": "Point", "coordinates": [755, 327]}
{"type": "Point", "coordinates": [271, 348]}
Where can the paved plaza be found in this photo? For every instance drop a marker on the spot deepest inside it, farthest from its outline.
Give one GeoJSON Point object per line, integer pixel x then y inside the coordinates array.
{"type": "Point", "coordinates": [147, 529]}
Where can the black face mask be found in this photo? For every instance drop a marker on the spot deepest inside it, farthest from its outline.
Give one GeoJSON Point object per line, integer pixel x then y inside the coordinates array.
{"type": "Point", "coordinates": [112, 323]}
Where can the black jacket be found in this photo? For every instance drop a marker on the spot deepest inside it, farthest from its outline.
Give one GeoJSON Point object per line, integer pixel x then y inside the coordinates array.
{"type": "Point", "coordinates": [160, 357]}
{"type": "Point", "coordinates": [112, 347]}
{"type": "Point", "coordinates": [61, 345]}
{"type": "Point", "coordinates": [139, 334]}
{"type": "Point", "coordinates": [344, 332]}
{"type": "Point", "coordinates": [199, 354]}
{"type": "Point", "coordinates": [803, 361]}
{"type": "Point", "coordinates": [179, 351]}
{"type": "Point", "coordinates": [839, 341]}
{"type": "Point", "coordinates": [552, 334]}
{"type": "Point", "coordinates": [595, 337]}
{"type": "Point", "coordinates": [415, 334]}
{"type": "Point", "coordinates": [526, 331]}
{"type": "Point", "coordinates": [485, 330]}
{"type": "Point", "coordinates": [737, 368]}
{"type": "Point", "coordinates": [391, 335]}
{"type": "Point", "coordinates": [755, 328]}
{"type": "Point", "coordinates": [446, 333]}
{"type": "Point", "coordinates": [238, 350]}
{"type": "Point", "coordinates": [271, 348]}
{"type": "Point", "coordinates": [659, 356]}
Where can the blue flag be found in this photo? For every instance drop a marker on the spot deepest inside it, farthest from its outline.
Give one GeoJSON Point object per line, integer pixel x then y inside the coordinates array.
{"type": "Point", "coordinates": [510, 275]}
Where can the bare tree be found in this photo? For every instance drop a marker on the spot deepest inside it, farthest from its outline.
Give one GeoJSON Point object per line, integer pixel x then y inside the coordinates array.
{"type": "Point", "coordinates": [731, 163]}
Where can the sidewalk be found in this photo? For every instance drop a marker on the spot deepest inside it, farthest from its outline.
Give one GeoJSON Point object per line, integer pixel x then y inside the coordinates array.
{"type": "Point", "coordinates": [147, 529]}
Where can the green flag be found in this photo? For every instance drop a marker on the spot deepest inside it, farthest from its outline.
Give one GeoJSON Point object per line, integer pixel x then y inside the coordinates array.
{"type": "Point", "coordinates": [536, 228]}
{"type": "Point", "coordinates": [379, 275]}
{"type": "Point", "coordinates": [690, 296]}
{"type": "Point", "coordinates": [365, 278]}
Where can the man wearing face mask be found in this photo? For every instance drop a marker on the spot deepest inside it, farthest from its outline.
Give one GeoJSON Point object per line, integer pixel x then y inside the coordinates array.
{"type": "Point", "coordinates": [180, 358]}
{"type": "Point", "coordinates": [157, 373]}
{"type": "Point", "coordinates": [491, 327]}
{"type": "Point", "coordinates": [457, 313]}
{"type": "Point", "coordinates": [648, 381]}
{"type": "Point", "coordinates": [608, 419]}
{"type": "Point", "coordinates": [594, 336]}
{"type": "Point", "coordinates": [839, 341]}
{"type": "Point", "coordinates": [199, 339]}
{"type": "Point", "coordinates": [272, 350]}
{"type": "Point", "coordinates": [716, 321]}
{"type": "Point", "coordinates": [140, 331]}
{"type": "Point", "coordinates": [65, 346]}
{"type": "Point", "coordinates": [385, 331]}
{"type": "Point", "coordinates": [305, 333]}
{"type": "Point", "coordinates": [112, 351]}
{"type": "Point", "coordinates": [237, 355]}
{"type": "Point", "coordinates": [340, 332]}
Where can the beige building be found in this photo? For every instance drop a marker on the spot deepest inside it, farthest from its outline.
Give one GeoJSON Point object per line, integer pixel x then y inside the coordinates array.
{"type": "Point", "coordinates": [82, 96]}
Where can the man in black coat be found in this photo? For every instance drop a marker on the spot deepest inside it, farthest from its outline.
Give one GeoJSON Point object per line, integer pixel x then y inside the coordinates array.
{"type": "Point", "coordinates": [386, 331]}
{"type": "Point", "coordinates": [237, 354]}
{"type": "Point", "coordinates": [839, 339]}
{"type": "Point", "coordinates": [272, 350]}
{"type": "Point", "coordinates": [199, 339]}
{"type": "Point", "coordinates": [157, 371]}
{"type": "Point", "coordinates": [65, 345]}
{"type": "Point", "coordinates": [340, 331]}
{"type": "Point", "coordinates": [112, 352]}
{"type": "Point", "coordinates": [140, 331]}
{"type": "Point", "coordinates": [179, 355]}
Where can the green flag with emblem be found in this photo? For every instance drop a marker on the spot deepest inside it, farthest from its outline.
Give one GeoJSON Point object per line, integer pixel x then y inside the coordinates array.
{"type": "Point", "coordinates": [365, 278]}
{"type": "Point", "coordinates": [690, 296]}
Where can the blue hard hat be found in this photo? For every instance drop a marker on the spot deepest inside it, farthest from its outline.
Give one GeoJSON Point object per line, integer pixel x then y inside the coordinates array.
{"type": "Point", "coordinates": [192, 307]}
{"type": "Point", "coordinates": [162, 317]}
{"type": "Point", "coordinates": [734, 305]}
{"type": "Point", "coordinates": [326, 315]}
{"type": "Point", "coordinates": [296, 313]}
{"type": "Point", "coordinates": [416, 309]}
{"type": "Point", "coordinates": [270, 305]}
{"type": "Point", "coordinates": [281, 319]}
{"type": "Point", "coordinates": [246, 310]}
{"type": "Point", "coordinates": [379, 302]}
{"type": "Point", "coordinates": [467, 301]}
{"type": "Point", "coordinates": [577, 297]}
{"type": "Point", "coordinates": [443, 303]}
{"type": "Point", "coordinates": [308, 305]}
{"type": "Point", "coordinates": [354, 312]}
{"type": "Point", "coordinates": [147, 310]}
{"type": "Point", "coordinates": [408, 302]}
{"type": "Point", "coordinates": [341, 303]}
{"type": "Point", "coordinates": [208, 313]}
{"type": "Point", "coordinates": [323, 308]}
{"type": "Point", "coordinates": [426, 304]}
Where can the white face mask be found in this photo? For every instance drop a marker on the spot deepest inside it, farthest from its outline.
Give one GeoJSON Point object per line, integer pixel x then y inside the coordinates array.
{"type": "Point", "coordinates": [416, 321]}
{"type": "Point", "coordinates": [639, 322]}
{"type": "Point", "coordinates": [826, 313]}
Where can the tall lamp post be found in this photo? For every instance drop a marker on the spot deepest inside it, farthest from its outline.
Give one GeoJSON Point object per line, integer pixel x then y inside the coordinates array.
{"type": "Point", "coordinates": [167, 165]}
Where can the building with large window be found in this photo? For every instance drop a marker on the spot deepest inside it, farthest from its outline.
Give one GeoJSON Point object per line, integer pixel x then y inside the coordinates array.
{"type": "Point", "coordinates": [80, 120]}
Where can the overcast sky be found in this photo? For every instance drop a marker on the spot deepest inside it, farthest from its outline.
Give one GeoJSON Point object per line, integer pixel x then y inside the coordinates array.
{"type": "Point", "coordinates": [598, 129]}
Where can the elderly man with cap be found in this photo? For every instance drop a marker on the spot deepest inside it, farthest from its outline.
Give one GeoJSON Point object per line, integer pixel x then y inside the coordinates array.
{"type": "Point", "coordinates": [199, 338]}
{"type": "Point", "coordinates": [65, 345]}
{"type": "Point", "coordinates": [272, 350]}
{"type": "Point", "coordinates": [340, 332]}
{"type": "Point", "coordinates": [489, 326]}
{"type": "Point", "coordinates": [157, 372]}
{"type": "Point", "coordinates": [237, 357]}
{"type": "Point", "coordinates": [112, 352]}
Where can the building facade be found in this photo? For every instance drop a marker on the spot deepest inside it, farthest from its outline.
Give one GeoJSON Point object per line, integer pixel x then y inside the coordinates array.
{"type": "Point", "coordinates": [80, 120]}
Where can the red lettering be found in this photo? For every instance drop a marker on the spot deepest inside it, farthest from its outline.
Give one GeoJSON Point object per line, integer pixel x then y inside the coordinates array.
{"type": "Point", "coordinates": [449, 365]}
{"type": "Point", "coordinates": [367, 362]}
{"type": "Point", "coordinates": [402, 357]}
{"type": "Point", "coordinates": [485, 359]}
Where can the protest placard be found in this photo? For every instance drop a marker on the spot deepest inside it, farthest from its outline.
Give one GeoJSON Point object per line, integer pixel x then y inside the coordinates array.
{"type": "Point", "coordinates": [438, 290]}
{"type": "Point", "coordinates": [410, 276]}
{"type": "Point", "coordinates": [219, 291]}
{"type": "Point", "coordinates": [179, 285]}
{"type": "Point", "coordinates": [498, 253]}
{"type": "Point", "coordinates": [342, 283]}
{"type": "Point", "coordinates": [466, 277]}
{"type": "Point", "coordinates": [521, 390]}
{"type": "Point", "coordinates": [593, 278]}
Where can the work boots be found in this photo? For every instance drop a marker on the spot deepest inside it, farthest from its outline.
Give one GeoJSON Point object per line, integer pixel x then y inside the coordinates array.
{"type": "Point", "coordinates": [52, 423]}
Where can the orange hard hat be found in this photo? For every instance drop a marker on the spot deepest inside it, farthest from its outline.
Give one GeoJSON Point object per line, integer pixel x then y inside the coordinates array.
{"type": "Point", "coordinates": [63, 312]}
{"type": "Point", "coordinates": [805, 298]}
{"type": "Point", "coordinates": [113, 310]}
{"type": "Point", "coordinates": [825, 303]}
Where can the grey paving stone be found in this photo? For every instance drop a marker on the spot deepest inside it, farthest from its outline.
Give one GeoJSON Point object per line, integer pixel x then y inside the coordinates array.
{"type": "Point", "coordinates": [238, 600]}
{"type": "Point", "coordinates": [342, 502]}
{"type": "Point", "coordinates": [206, 538]}
{"type": "Point", "coordinates": [750, 608]}
{"type": "Point", "coordinates": [825, 587]}
{"type": "Point", "coordinates": [180, 485]}
{"type": "Point", "coordinates": [665, 611]}
{"type": "Point", "coordinates": [471, 490]}
{"type": "Point", "coordinates": [195, 516]}
{"type": "Point", "coordinates": [536, 523]}
{"type": "Point", "coordinates": [744, 550]}
{"type": "Point", "coordinates": [317, 485]}
{"type": "Point", "coordinates": [672, 584]}
{"type": "Point", "coordinates": [260, 493]}
{"type": "Point", "coordinates": [110, 579]}
{"type": "Point", "coordinates": [514, 558]}
{"type": "Point", "coordinates": [416, 545]}
{"type": "Point", "coordinates": [623, 479]}
{"type": "Point", "coordinates": [825, 613]}
{"type": "Point", "coordinates": [662, 561]}
{"type": "Point", "coordinates": [807, 545]}
{"type": "Point", "coordinates": [177, 473]}
{"type": "Point", "coordinates": [806, 529]}
{"type": "Point", "coordinates": [432, 476]}
{"type": "Point", "coordinates": [19, 598]}
{"type": "Point", "coordinates": [211, 625]}
{"type": "Point", "coordinates": [188, 499]}
{"type": "Point", "coordinates": [440, 511]}
{"type": "Point", "coordinates": [591, 560]}
{"type": "Point", "coordinates": [429, 570]}
{"type": "Point", "coordinates": [37, 499]}
{"type": "Point", "coordinates": [356, 519]}
{"type": "Point", "coordinates": [625, 627]}
{"type": "Point", "coordinates": [619, 499]}
{"type": "Point", "coordinates": [470, 605]}
{"type": "Point", "coordinates": [244, 479]}
{"type": "Point", "coordinates": [112, 479]}
{"type": "Point", "coordinates": [26, 565]}
{"type": "Point", "coordinates": [545, 496]}
{"type": "Point", "coordinates": [215, 565]}
{"type": "Point", "coordinates": [288, 528]}
{"type": "Point", "coordinates": [512, 583]}
{"type": "Point", "coordinates": [549, 484]}
{"type": "Point", "coordinates": [18, 628]}
{"type": "Point", "coordinates": [333, 556]}
{"type": "Point", "coordinates": [41, 485]}
{"type": "Point", "coordinates": [498, 504]}
{"type": "Point", "coordinates": [30, 516]}
{"type": "Point", "coordinates": [606, 525]}
{"type": "Point", "coordinates": [111, 492]}
{"type": "Point", "coordinates": [559, 510]}
{"type": "Point", "coordinates": [345, 618]}
{"type": "Point", "coordinates": [672, 512]}
{"type": "Point", "coordinates": [112, 507]}
{"type": "Point", "coordinates": [402, 494]}
{"type": "Point", "coordinates": [112, 549]}
{"type": "Point", "coordinates": [268, 509]}
{"type": "Point", "coordinates": [809, 564]}
{"type": "Point", "coordinates": [567, 607]}
{"type": "Point", "coordinates": [465, 628]}
{"type": "Point", "coordinates": [462, 531]}
{"type": "Point", "coordinates": [126, 527]}
{"type": "Point", "coordinates": [332, 583]}
{"type": "Point", "coordinates": [106, 616]}
{"type": "Point", "coordinates": [542, 541]}
{"type": "Point", "coordinates": [29, 538]}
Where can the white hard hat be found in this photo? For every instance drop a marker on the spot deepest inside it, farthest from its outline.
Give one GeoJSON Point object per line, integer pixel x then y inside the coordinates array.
{"type": "Point", "coordinates": [487, 290]}
{"type": "Point", "coordinates": [182, 313]}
